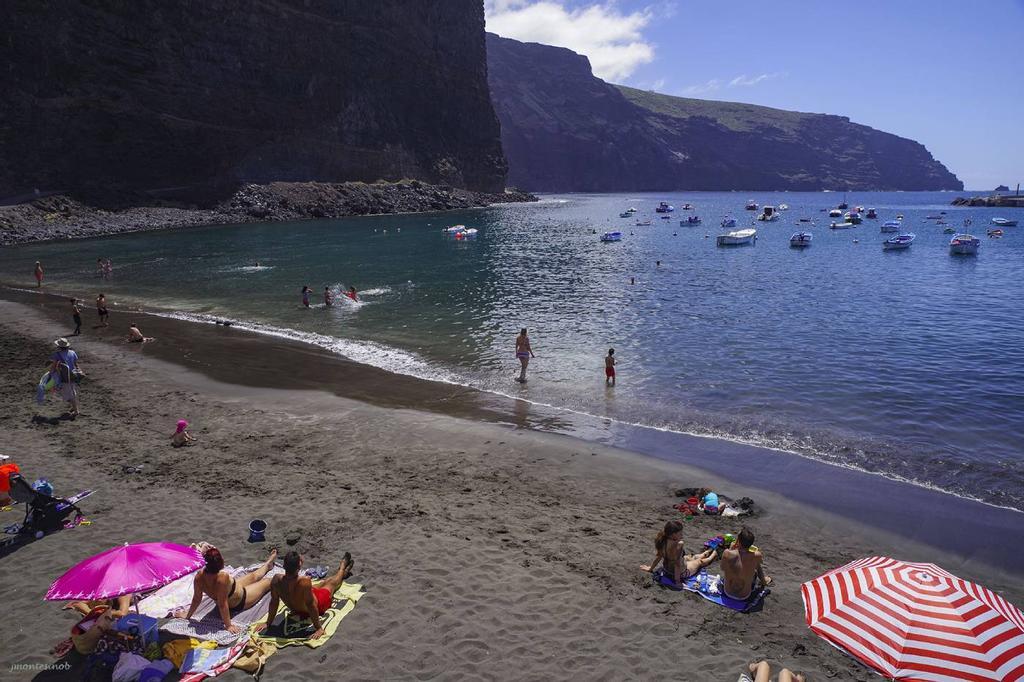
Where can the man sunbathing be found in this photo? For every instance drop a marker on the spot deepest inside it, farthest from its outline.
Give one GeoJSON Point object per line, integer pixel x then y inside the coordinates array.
{"type": "Point", "coordinates": [301, 596]}
{"type": "Point", "coordinates": [741, 567]}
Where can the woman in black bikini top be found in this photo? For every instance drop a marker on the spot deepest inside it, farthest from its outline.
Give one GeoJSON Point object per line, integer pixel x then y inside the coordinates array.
{"type": "Point", "coordinates": [243, 593]}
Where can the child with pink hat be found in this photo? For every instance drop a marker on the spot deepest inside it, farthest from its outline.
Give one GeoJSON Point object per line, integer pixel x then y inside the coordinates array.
{"type": "Point", "coordinates": [181, 436]}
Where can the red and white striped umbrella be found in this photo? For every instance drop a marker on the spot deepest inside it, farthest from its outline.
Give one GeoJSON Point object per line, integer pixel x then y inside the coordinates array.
{"type": "Point", "coordinates": [917, 622]}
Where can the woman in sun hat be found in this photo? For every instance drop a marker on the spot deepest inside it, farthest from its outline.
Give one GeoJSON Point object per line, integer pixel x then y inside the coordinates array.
{"type": "Point", "coordinates": [65, 363]}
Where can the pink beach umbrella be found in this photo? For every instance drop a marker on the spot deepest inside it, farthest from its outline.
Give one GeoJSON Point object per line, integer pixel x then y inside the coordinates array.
{"type": "Point", "coordinates": [125, 570]}
{"type": "Point", "coordinates": [913, 621]}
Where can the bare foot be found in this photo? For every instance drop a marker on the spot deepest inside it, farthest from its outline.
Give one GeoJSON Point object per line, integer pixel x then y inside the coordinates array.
{"type": "Point", "coordinates": [347, 562]}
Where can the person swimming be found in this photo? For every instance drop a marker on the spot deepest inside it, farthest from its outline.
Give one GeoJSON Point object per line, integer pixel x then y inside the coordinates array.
{"type": "Point", "coordinates": [328, 299]}
{"type": "Point", "coordinates": [306, 291]}
{"type": "Point", "coordinates": [351, 293]}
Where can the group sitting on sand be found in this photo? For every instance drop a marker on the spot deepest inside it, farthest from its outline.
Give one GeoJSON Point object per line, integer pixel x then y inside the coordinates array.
{"type": "Point", "coordinates": [742, 569]}
{"type": "Point", "coordinates": [233, 595]}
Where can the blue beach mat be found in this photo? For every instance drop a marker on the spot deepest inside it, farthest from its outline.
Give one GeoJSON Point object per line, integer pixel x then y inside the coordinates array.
{"type": "Point", "coordinates": [710, 587]}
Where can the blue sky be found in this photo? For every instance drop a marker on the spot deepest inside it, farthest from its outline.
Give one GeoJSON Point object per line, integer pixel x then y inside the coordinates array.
{"type": "Point", "coordinates": [947, 74]}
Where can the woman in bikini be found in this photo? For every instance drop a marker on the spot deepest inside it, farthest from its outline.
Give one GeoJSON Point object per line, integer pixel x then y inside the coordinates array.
{"type": "Point", "coordinates": [524, 352]}
{"type": "Point", "coordinates": [675, 564]}
{"type": "Point", "coordinates": [231, 595]}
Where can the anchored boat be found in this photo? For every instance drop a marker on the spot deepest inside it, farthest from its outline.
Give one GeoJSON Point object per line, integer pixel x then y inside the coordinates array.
{"type": "Point", "coordinates": [611, 236]}
{"type": "Point", "coordinates": [900, 241]}
{"type": "Point", "coordinates": [891, 226]}
{"type": "Point", "coordinates": [768, 214]}
{"type": "Point", "coordinates": [1003, 222]}
{"type": "Point", "coordinates": [664, 207]}
{"type": "Point", "coordinates": [800, 240]}
{"type": "Point", "coordinates": [738, 238]}
{"type": "Point", "coordinates": [964, 245]}
{"type": "Point", "coordinates": [728, 222]}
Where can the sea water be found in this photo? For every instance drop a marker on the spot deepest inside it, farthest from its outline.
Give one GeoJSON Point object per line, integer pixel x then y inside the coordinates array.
{"type": "Point", "coordinates": [906, 363]}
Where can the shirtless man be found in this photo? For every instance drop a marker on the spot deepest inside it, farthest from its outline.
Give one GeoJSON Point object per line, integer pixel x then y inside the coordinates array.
{"type": "Point", "coordinates": [741, 565]}
{"type": "Point", "coordinates": [299, 594]}
{"type": "Point", "coordinates": [524, 352]}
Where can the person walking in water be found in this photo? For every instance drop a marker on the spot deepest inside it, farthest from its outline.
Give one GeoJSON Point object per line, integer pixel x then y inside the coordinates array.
{"type": "Point", "coordinates": [328, 300]}
{"type": "Point", "coordinates": [306, 291]}
{"type": "Point", "coordinates": [76, 315]}
{"type": "Point", "coordinates": [39, 274]}
{"type": "Point", "coordinates": [524, 352]}
{"type": "Point", "coordinates": [609, 368]}
{"type": "Point", "coordinates": [351, 293]}
{"type": "Point", "coordinates": [101, 310]}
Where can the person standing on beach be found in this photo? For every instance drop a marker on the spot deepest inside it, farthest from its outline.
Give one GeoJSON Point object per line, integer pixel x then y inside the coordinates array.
{"type": "Point", "coordinates": [65, 363]}
{"type": "Point", "coordinates": [305, 295]}
{"type": "Point", "coordinates": [328, 301]}
{"type": "Point", "coordinates": [76, 315]}
{"type": "Point", "coordinates": [609, 368]}
{"type": "Point", "coordinates": [39, 274]}
{"type": "Point", "coordinates": [524, 352]}
{"type": "Point", "coordinates": [101, 310]}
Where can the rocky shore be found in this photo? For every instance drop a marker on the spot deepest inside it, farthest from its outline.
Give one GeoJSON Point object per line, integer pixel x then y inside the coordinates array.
{"type": "Point", "coordinates": [63, 217]}
{"type": "Point", "coordinates": [994, 201]}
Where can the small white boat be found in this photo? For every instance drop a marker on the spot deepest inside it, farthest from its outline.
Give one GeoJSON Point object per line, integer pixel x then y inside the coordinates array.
{"type": "Point", "coordinates": [728, 222]}
{"type": "Point", "coordinates": [768, 214]}
{"type": "Point", "coordinates": [900, 241]}
{"type": "Point", "coordinates": [469, 233]}
{"type": "Point", "coordinates": [751, 205]}
{"type": "Point", "coordinates": [800, 240]}
{"type": "Point", "coordinates": [631, 209]}
{"type": "Point", "coordinates": [783, 207]}
{"type": "Point", "coordinates": [1003, 222]}
{"type": "Point", "coordinates": [690, 220]}
{"type": "Point", "coordinates": [455, 229]}
{"type": "Point", "coordinates": [738, 238]}
{"type": "Point", "coordinates": [994, 232]}
{"type": "Point", "coordinates": [891, 226]}
{"type": "Point", "coordinates": [686, 207]}
{"type": "Point", "coordinates": [625, 214]}
{"type": "Point", "coordinates": [964, 245]}
{"type": "Point", "coordinates": [852, 217]}
{"type": "Point", "coordinates": [611, 236]}
{"type": "Point", "coordinates": [835, 213]}
{"type": "Point", "coordinates": [643, 223]}
{"type": "Point", "coordinates": [664, 207]}
{"type": "Point", "coordinates": [871, 214]}
{"type": "Point", "coordinates": [949, 230]}
{"type": "Point", "coordinates": [841, 226]}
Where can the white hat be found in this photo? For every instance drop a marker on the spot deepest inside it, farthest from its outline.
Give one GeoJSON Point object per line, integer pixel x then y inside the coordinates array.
{"type": "Point", "coordinates": [62, 343]}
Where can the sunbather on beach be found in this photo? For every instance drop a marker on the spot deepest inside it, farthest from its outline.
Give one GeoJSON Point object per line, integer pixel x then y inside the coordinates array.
{"type": "Point", "coordinates": [135, 335]}
{"type": "Point", "coordinates": [232, 595]}
{"type": "Point", "coordinates": [670, 554]}
{"type": "Point", "coordinates": [741, 567]}
{"type": "Point", "coordinates": [99, 618]}
{"type": "Point", "coordinates": [762, 672]}
{"type": "Point", "coordinates": [305, 599]}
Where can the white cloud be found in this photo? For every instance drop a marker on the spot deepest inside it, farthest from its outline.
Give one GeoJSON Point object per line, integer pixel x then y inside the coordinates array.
{"type": "Point", "coordinates": [611, 39]}
{"type": "Point", "coordinates": [703, 88]}
{"type": "Point", "coordinates": [743, 80]}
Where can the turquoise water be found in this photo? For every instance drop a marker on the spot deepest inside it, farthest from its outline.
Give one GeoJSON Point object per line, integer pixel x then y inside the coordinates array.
{"type": "Point", "coordinates": [907, 363]}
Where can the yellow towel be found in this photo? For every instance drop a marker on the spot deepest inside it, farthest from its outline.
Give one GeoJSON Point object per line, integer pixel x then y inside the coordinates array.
{"type": "Point", "coordinates": [176, 649]}
{"type": "Point", "coordinates": [342, 603]}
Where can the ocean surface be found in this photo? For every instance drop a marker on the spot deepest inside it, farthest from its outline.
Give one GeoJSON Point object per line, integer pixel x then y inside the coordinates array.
{"type": "Point", "coordinates": [909, 363]}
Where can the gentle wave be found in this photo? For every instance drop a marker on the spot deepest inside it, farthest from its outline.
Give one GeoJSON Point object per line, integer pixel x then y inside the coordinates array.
{"type": "Point", "coordinates": [408, 364]}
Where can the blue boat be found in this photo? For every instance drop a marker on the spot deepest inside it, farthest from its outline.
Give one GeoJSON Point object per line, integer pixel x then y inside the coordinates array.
{"type": "Point", "coordinates": [664, 207]}
{"type": "Point", "coordinates": [900, 241]}
{"type": "Point", "coordinates": [611, 236]}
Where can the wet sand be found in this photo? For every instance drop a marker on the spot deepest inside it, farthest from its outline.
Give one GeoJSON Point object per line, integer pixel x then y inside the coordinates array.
{"type": "Point", "coordinates": [487, 550]}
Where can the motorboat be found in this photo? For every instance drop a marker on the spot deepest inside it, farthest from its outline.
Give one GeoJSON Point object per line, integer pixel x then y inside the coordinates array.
{"type": "Point", "coordinates": [625, 214]}
{"type": "Point", "coordinates": [643, 223]}
{"type": "Point", "coordinates": [899, 216]}
{"type": "Point", "coordinates": [783, 207]}
{"type": "Point", "coordinates": [665, 207]}
{"type": "Point", "coordinates": [631, 209]}
{"type": "Point", "coordinates": [841, 226]}
{"type": "Point", "coordinates": [900, 241]}
{"type": "Point", "coordinates": [994, 232]}
{"type": "Point", "coordinates": [871, 214]}
{"type": "Point", "coordinates": [690, 220]}
{"type": "Point", "coordinates": [805, 220]}
{"type": "Point", "coordinates": [949, 230]}
{"type": "Point", "coordinates": [467, 233]}
{"type": "Point", "coordinates": [728, 222]}
{"type": "Point", "coordinates": [891, 226]}
{"type": "Point", "coordinates": [842, 206]}
{"type": "Point", "coordinates": [455, 229]}
{"type": "Point", "coordinates": [768, 214]}
{"type": "Point", "coordinates": [835, 213]}
{"type": "Point", "coordinates": [852, 217]}
{"type": "Point", "coordinates": [665, 217]}
{"type": "Point", "coordinates": [751, 205]}
{"type": "Point", "coordinates": [1003, 222]}
{"type": "Point", "coordinates": [964, 245]}
{"type": "Point", "coordinates": [738, 238]}
{"type": "Point", "coordinates": [933, 217]}
{"type": "Point", "coordinates": [611, 236]}
{"type": "Point", "coordinates": [800, 240]}
{"type": "Point", "coordinates": [686, 207]}
{"type": "Point", "coordinates": [858, 209]}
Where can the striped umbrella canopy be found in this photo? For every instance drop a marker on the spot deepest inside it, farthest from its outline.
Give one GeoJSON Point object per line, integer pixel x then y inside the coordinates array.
{"type": "Point", "coordinates": [916, 621]}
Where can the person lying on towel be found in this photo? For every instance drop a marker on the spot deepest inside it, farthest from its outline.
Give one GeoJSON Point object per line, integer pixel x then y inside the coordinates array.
{"type": "Point", "coordinates": [741, 568]}
{"type": "Point", "coordinates": [301, 596]}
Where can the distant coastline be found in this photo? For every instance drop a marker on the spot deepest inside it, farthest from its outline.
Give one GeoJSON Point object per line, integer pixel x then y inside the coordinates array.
{"type": "Point", "coordinates": [59, 217]}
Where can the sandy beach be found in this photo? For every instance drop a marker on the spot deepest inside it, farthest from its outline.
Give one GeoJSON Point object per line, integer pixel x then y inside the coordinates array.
{"type": "Point", "coordinates": [487, 551]}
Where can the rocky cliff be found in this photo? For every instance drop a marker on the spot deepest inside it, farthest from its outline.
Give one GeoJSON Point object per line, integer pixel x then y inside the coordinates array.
{"type": "Point", "coordinates": [565, 130]}
{"type": "Point", "coordinates": [198, 96]}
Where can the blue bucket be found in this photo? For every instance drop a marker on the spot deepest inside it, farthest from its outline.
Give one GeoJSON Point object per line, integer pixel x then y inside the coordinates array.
{"type": "Point", "coordinates": [257, 530]}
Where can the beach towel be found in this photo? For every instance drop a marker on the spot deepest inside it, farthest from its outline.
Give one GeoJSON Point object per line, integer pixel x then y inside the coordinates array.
{"type": "Point", "coordinates": [206, 625]}
{"type": "Point", "coordinates": [290, 630]}
{"type": "Point", "coordinates": [202, 663]}
{"type": "Point", "coordinates": [710, 587]}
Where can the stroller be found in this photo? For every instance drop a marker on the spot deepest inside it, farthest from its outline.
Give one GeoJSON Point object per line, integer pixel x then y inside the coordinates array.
{"type": "Point", "coordinates": [43, 513]}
